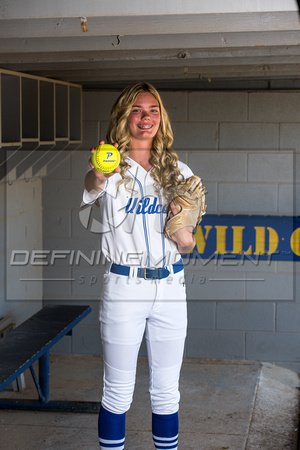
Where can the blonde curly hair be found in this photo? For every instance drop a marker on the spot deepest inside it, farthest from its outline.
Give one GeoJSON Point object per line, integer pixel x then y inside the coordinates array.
{"type": "Point", "coordinates": [164, 160]}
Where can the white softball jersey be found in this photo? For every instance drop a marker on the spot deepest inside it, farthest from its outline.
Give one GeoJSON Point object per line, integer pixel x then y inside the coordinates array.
{"type": "Point", "coordinates": [133, 218]}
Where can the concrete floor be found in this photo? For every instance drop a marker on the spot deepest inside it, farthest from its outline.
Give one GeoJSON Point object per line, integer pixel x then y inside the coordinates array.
{"type": "Point", "coordinates": [224, 405]}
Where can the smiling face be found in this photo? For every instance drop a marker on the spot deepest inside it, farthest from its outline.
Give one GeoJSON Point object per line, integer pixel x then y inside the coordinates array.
{"type": "Point", "coordinates": [144, 118]}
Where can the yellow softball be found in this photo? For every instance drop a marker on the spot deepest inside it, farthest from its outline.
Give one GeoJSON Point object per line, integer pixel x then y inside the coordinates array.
{"type": "Point", "coordinates": [105, 158]}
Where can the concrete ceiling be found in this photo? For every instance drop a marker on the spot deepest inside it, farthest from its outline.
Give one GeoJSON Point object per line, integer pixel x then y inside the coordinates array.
{"type": "Point", "coordinates": [172, 43]}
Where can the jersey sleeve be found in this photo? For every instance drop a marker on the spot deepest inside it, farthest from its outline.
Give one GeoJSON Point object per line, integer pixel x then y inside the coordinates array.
{"type": "Point", "coordinates": [110, 188]}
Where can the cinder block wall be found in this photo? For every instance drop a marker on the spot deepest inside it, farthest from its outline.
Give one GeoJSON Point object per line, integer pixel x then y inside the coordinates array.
{"type": "Point", "coordinates": [245, 146]}
{"type": "Point", "coordinates": [21, 233]}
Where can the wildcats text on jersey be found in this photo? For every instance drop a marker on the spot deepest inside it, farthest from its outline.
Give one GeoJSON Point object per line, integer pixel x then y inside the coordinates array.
{"type": "Point", "coordinates": [147, 205]}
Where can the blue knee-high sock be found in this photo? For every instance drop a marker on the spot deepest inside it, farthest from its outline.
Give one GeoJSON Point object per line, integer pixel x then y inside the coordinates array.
{"type": "Point", "coordinates": [111, 429]}
{"type": "Point", "coordinates": [165, 431]}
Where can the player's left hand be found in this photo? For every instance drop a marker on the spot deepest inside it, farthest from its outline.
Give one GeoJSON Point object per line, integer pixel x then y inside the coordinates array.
{"type": "Point", "coordinates": [184, 237]}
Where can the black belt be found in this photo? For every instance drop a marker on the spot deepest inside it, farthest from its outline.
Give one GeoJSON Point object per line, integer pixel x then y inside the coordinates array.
{"type": "Point", "coordinates": [147, 273]}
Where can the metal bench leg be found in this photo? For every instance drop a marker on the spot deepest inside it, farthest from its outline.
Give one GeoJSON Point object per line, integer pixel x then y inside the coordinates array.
{"type": "Point", "coordinates": [44, 376]}
{"type": "Point", "coordinates": [43, 384]}
{"type": "Point", "coordinates": [19, 384]}
{"type": "Point", "coordinates": [43, 387]}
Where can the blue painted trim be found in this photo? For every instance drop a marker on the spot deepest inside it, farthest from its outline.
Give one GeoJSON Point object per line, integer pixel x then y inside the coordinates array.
{"type": "Point", "coordinates": [52, 405]}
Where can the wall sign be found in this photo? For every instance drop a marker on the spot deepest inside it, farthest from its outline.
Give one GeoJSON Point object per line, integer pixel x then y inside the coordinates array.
{"type": "Point", "coordinates": [274, 238]}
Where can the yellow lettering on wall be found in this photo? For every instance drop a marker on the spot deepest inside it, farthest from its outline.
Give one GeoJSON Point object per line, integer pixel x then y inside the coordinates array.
{"type": "Point", "coordinates": [273, 240]}
{"type": "Point", "coordinates": [200, 238]}
{"type": "Point", "coordinates": [221, 239]}
{"type": "Point", "coordinates": [295, 241]}
{"type": "Point", "coordinates": [238, 241]}
{"type": "Point", "coordinates": [260, 241]}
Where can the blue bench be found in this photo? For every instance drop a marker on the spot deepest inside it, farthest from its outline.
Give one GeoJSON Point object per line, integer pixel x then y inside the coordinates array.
{"type": "Point", "coordinates": [32, 341]}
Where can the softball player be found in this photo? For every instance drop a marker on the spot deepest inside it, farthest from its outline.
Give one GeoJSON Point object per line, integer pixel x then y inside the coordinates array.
{"type": "Point", "coordinates": [144, 289]}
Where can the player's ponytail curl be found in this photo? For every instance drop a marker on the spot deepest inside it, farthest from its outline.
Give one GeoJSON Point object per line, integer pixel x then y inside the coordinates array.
{"type": "Point", "coordinates": [163, 159]}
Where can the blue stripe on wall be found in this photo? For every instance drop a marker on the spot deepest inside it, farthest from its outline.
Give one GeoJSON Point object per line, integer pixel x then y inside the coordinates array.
{"type": "Point", "coordinates": [274, 238]}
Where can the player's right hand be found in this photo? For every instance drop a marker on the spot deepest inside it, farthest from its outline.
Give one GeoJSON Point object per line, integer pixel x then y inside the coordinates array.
{"type": "Point", "coordinates": [103, 176]}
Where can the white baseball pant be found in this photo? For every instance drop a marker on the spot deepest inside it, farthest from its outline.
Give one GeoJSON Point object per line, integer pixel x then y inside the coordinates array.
{"type": "Point", "coordinates": [130, 306]}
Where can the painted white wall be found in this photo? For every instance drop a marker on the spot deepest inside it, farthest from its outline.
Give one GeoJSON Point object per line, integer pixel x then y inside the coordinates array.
{"type": "Point", "coordinates": [18, 10]}
{"type": "Point", "coordinates": [245, 145]}
{"type": "Point", "coordinates": [21, 233]}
